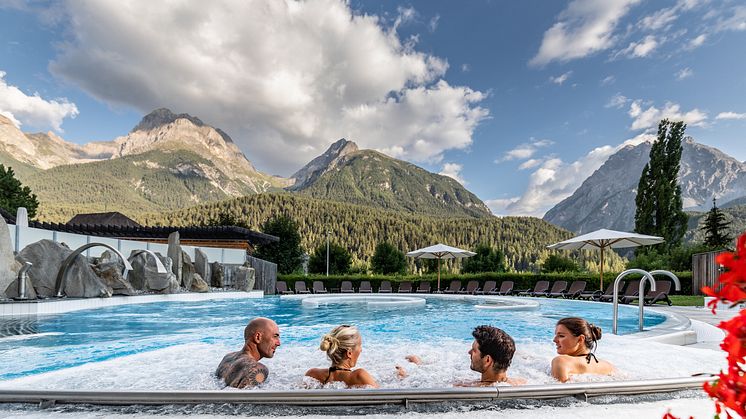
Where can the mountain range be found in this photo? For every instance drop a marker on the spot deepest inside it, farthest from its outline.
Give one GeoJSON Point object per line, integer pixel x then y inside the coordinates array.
{"type": "Point", "coordinates": [606, 199]}
{"type": "Point", "coordinates": [171, 161]}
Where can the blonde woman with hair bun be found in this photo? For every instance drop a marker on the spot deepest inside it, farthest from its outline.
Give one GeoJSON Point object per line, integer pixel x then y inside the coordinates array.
{"type": "Point", "coordinates": [343, 346]}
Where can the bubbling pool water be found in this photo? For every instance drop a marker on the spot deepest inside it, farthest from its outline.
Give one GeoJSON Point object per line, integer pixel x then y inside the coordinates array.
{"type": "Point", "coordinates": [176, 346]}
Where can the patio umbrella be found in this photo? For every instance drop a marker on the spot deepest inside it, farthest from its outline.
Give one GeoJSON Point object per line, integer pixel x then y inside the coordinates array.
{"type": "Point", "coordinates": [440, 251]}
{"type": "Point", "coordinates": [602, 239]}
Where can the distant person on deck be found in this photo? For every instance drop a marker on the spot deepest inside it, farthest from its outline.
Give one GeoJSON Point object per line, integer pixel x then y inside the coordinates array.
{"type": "Point", "coordinates": [243, 369]}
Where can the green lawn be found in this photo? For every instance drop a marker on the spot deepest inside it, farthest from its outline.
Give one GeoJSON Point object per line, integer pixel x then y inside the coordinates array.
{"type": "Point", "coordinates": [688, 300]}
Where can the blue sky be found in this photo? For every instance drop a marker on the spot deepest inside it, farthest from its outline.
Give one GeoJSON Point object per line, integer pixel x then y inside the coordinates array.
{"type": "Point", "coordinates": [520, 101]}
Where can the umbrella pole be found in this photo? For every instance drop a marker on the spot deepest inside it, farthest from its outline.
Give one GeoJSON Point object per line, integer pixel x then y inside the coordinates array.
{"type": "Point", "coordinates": [438, 275]}
{"type": "Point", "coordinates": [602, 270]}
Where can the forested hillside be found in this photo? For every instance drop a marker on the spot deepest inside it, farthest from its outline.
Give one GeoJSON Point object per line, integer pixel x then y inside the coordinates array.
{"type": "Point", "coordinates": [360, 228]}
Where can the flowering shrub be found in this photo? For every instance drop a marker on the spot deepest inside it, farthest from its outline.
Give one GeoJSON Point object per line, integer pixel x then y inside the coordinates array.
{"type": "Point", "coordinates": [729, 390]}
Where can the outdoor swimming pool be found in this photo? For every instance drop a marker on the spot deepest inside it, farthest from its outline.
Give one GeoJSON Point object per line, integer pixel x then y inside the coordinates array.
{"type": "Point", "coordinates": [177, 345]}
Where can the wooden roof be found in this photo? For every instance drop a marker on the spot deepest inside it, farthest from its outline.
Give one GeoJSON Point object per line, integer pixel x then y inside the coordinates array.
{"type": "Point", "coordinates": [104, 218]}
{"type": "Point", "coordinates": [207, 233]}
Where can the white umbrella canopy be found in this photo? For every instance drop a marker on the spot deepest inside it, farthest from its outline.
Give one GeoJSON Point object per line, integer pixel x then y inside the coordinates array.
{"type": "Point", "coordinates": [440, 251]}
{"type": "Point", "coordinates": [603, 238]}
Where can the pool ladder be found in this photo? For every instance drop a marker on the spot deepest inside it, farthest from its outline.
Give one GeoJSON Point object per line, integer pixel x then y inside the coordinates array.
{"type": "Point", "coordinates": [646, 276]}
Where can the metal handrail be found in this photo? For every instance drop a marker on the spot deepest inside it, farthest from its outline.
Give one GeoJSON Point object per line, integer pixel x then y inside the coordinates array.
{"type": "Point", "coordinates": [330, 397]}
{"type": "Point", "coordinates": [60, 285]}
{"type": "Point", "coordinates": [676, 282]}
{"type": "Point", "coordinates": [645, 276]}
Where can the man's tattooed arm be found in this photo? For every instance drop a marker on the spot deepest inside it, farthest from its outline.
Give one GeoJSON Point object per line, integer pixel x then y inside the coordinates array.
{"type": "Point", "coordinates": [240, 371]}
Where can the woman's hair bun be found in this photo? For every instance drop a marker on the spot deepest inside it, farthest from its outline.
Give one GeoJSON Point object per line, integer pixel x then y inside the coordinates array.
{"type": "Point", "coordinates": [328, 343]}
{"type": "Point", "coordinates": [595, 331]}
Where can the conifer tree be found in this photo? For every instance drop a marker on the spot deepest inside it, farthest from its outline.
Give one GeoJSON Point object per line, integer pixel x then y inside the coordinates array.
{"type": "Point", "coordinates": [14, 195]}
{"type": "Point", "coordinates": [659, 205]}
{"type": "Point", "coordinates": [286, 253]}
{"type": "Point", "coordinates": [716, 228]}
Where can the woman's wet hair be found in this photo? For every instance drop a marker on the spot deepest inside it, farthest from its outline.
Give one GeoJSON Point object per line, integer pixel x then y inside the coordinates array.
{"type": "Point", "coordinates": [340, 340]}
{"type": "Point", "coordinates": [578, 327]}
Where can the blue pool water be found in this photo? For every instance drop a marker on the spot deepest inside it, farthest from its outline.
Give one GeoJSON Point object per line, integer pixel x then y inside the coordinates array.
{"type": "Point", "coordinates": [91, 336]}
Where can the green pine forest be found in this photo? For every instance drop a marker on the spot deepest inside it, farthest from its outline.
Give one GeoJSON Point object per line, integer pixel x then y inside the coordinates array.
{"type": "Point", "coordinates": [360, 228]}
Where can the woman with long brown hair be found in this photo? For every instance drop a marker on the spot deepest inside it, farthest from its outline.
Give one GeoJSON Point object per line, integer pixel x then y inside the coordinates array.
{"type": "Point", "coordinates": [576, 341]}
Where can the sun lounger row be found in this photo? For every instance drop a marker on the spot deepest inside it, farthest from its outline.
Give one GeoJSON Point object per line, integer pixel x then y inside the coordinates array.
{"type": "Point", "coordinates": [558, 289]}
{"type": "Point", "coordinates": [490, 288]}
{"type": "Point", "coordinates": [629, 292]}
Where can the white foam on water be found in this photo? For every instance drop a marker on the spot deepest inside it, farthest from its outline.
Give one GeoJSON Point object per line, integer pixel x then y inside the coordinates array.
{"type": "Point", "coordinates": [191, 366]}
{"type": "Point", "coordinates": [29, 336]}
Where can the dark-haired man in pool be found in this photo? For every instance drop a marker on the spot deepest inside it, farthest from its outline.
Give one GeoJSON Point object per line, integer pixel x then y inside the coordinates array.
{"type": "Point", "coordinates": [243, 369]}
{"type": "Point", "coordinates": [491, 354]}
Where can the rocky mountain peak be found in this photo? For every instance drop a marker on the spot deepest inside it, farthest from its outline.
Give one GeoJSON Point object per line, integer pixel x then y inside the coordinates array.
{"type": "Point", "coordinates": [606, 199]}
{"type": "Point", "coordinates": [164, 116]}
{"type": "Point", "coordinates": [323, 163]}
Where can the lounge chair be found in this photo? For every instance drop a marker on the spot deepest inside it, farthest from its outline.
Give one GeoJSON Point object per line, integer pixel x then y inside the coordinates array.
{"type": "Point", "coordinates": [281, 287]}
{"type": "Point", "coordinates": [300, 287]}
{"type": "Point", "coordinates": [631, 289]}
{"type": "Point", "coordinates": [540, 288]}
{"type": "Point", "coordinates": [596, 295]}
{"type": "Point", "coordinates": [365, 287]}
{"type": "Point", "coordinates": [489, 287]}
{"type": "Point", "coordinates": [318, 287]}
{"type": "Point", "coordinates": [347, 288]}
{"type": "Point", "coordinates": [405, 286]}
{"type": "Point", "coordinates": [385, 287]}
{"type": "Point", "coordinates": [559, 288]}
{"type": "Point", "coordinates": [471, 288]}
{"type": "Point", "coordinates": [576, 288]}
{"type": "Point", "coordinates": [662, 289]}
{"type": "Point", "coordinates": [506, 288]}
{"type": "Point", "coordinates": [424, 287]}
{"type": "Point", "coordinates": [454, 287]}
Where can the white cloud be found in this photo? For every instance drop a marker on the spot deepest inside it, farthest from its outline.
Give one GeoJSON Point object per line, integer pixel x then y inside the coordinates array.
{"type": "Point", "coordinates": [650, 117]}
{"type": "Point", "coordinates": [524, 151]}
{"type": "Point", "coordinates": [617, 101]}
{"type": "Point", "coordinates": [283, 78]}
{"type": "Point", "coordinates": [640, 49]}
{"type": "Point", "coordinates": [555, 180]}
{"type": "Point", "coordinates": [730, 115]}
{"type": "Point", "coordinates": [453, 170]}
{"type": "Point", "coordinates": [583, 28]}
{"type": "Point", "coordinates": [684, 73]}
{"type": "Point", "coordinates": [433, 24]}
{"type": "Point", "coordinates": [659, 19]}
{"type": "Point", "coordinates": [698, 41]}
{"type": "Point", "coordinates": [528, 164]}
{"type": "Point", "coordinates": [33, 110]}
{"type": "Point", "coordinates": [561, 78]}
{"type": "Point", "coordinates": [465, 68]}
{"type": "Point", "coordinates": [608, 80]}
{"type": "Point", "coordinates": [736, 21]}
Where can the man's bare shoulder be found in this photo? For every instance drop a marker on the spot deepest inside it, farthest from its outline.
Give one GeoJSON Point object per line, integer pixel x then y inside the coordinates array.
{"type": "Point", "coordinates": [240, 370]}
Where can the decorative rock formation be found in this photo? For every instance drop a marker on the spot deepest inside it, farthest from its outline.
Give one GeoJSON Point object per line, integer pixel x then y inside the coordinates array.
{"type": "Point", "coordinates": [144, 275]}
{"type": "Point", "coordinates": [174, 252]}
{"type": "Point", "coordinates": [8, 265]}
{"type": "Point", "coordinates": [109, 268]}
{"type": "Point", "coordinates": [187, 271]}
{"type": "Point", "coordinates": [201, 264]}
{"type": "Point", "coordinates": [244, 278]}
{"type": "Point", "coordinates": [199, 284]}
{"type": "Point", "coordinates": [217, 275]}
{"type": "Point", "coordinates": [47, 257]}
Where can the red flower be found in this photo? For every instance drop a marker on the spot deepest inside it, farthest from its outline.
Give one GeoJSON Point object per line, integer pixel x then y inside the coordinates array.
{"type": "Point", "coordinates": [729, 390]}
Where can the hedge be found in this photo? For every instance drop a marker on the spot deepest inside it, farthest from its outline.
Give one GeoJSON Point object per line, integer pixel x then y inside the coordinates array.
{"type": "Point", "coordinates": [521, 280]}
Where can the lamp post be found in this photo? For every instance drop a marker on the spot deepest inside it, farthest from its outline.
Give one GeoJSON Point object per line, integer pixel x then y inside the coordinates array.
{"type": "Point", "coordinates": [327, 252]}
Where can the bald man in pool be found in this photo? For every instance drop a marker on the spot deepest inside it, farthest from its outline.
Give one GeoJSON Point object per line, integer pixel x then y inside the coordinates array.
{"type": "Point", "coordinates": [242, 369]}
